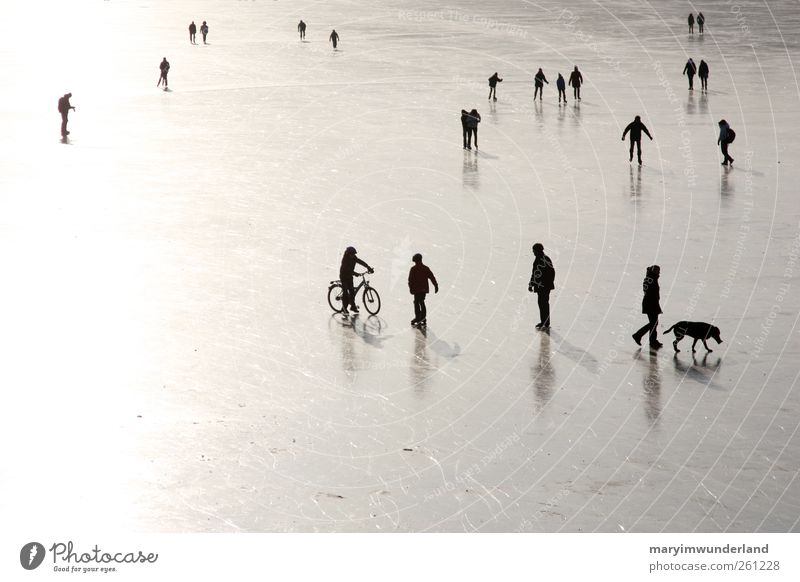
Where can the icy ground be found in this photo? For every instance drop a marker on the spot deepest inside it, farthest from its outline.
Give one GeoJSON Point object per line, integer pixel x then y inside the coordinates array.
{"type": "Point", "coordinates": [169, 360]}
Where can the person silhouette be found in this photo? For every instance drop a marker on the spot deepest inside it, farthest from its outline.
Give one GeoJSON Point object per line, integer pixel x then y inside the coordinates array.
{"type": "Point", "coordinates": [636, 127]}
{"type": "Point", "coordinates": [701, 20]}
{"type": "Point", "coordinates": [464, 131]}
{"type": "Point", "coordinates": [473, 119]}
{"type": "Point", "coordinates": [726, 137]}
{"type": "Point", "coordinates": [192, 32]}
{"type": "Point", "coordinates": [301, 27]}
{"type": "Point", "coordinates": [576, 80]}
{"type": "Point", "coordinates": [346, 272]}
{"type": "Point", "coordinates": [690, 70]}
{"type": "Point", "coordinates": [164, 68]}
{"type": "Point", "coordinates": [702, 72]}
{"type": "Point", "coordinates": [63, 108]}
{"type": "Point", "coordinates": [562, 88]}
{"type": "Point", "coordinates": [690, 20]}
{"type": "Point", "coordinates": [650, 307]}
{"type": "Point", "coordinates": [418, 277]}
{"type": "Point", "coordinates": [334, 38]}
{"type": "Point", "coordinates": [204, 31]}
{"type": "Point", "coordinates": [538, 83]}
{"type": "Point", "coordinates": [542, 282]}
{"type": "Point", "coordinates": [493, 80]}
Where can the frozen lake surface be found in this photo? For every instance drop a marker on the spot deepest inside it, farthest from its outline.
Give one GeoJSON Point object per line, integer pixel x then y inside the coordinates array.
{"type": "Point", "coordinates": [170, 363]}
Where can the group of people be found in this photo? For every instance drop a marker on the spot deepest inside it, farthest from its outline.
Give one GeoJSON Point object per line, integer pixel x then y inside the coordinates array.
{"type": "Point", "coordinates": [701, 20]}
{"type": "Point", "coordinates": [469, 127]}
{"type": "Point", "coordinates": [690, 70]}
{"type": "Point", "coordinates": [333, 38]}
{"type": "Point", "coordinates": [193, 32]}
{"type": "Point", "coordinates": [575, 81]}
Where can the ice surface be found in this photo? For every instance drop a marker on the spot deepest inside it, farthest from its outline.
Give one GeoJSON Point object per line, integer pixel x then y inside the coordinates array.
{"type": "Point", "coordinates": [170, 362]}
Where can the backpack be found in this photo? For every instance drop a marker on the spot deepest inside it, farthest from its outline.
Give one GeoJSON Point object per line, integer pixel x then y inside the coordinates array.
{"type": "Point", "coordinates": [731, 135]}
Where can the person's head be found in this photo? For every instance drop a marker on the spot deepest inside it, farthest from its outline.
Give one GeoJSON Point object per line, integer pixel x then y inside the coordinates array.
{"type": "Point", "coordinates": [350, 251]}
{"type": "Point", "coordinates": [417, 258]}
{"type": "Point", "coordinates": [653, 271]}
{"type": "Point", "coordinates": [474, 112]}
{"type": "Point", "coordinates": [538, 249]}
{"type": "Point", "coordinates": [540, 69]}
{"type": "Point", "coordinates": [637, 118]}
{"type": "Point", "coordinates": [68, 95]}
{"type": "Point", "coordinates": [576, 67]}
{"type": "Point", "coordinates": [722, 122]}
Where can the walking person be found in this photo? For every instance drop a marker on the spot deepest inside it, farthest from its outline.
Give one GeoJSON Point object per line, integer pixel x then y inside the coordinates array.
{"type": "Point", "coordinates": [650, 307]}
{"type": "Point", "coordinates": [636, 127]}
{"type": "Point", "coordinates": [702, 72]}
{"type": "Point", "coordinates": [473, 119]}
{"type": "Point", "coordinates": [346, 272]}
{"type": "Point", "coordinates": [562, 89]}
{"type": "Point", "coordinates": [576, 80]}
{"type": "Point", "coordinates": [493, 80]}
{"type": "Point", "coordinates": [690, 20]}
{"type": "Point", "coordinates": [726, 137]}
{"type": "Point", "coordinates": [164, 67]}
{"type": "Point", "coordinates": [464, 130]}
{"type": "Point", "coordinates": [192, 32]}
{"type": "Point", "coordinates": [538, 82]}
{"type": "Point", "coordinates": [701, 20]}
{"type": "Point", "coordinates": [63, 108]}
{"type": "Point", "coordinates": [542, 282]}
{"type": "Point", "coordinates": [301, 28]}
{"type": "Point", "coordinates": [334, 38]}
{"type": "Point", "coordinates": [690, 70]}
{"type": "Point", "coordinates": [418, 277]}
{"type": "Point", "coordinates": [204, 31]}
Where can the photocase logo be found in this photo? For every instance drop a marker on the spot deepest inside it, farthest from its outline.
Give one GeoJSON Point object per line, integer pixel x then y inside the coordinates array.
{"type": "Point", "coordinates": [31, 555]}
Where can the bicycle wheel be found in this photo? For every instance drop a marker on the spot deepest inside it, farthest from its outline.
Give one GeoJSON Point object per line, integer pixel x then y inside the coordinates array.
{"type": "Point", "coordinates": [335, 297]}
{"type": "Point", "coordinates": [371, 300]}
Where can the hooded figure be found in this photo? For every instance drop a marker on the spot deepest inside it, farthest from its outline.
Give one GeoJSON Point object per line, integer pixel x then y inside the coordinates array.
{"type": "Point", "coordinates": [576, 80]}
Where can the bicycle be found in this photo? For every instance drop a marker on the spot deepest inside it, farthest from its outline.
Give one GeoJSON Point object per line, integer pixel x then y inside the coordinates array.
{"type": "Point", "coordinates": [370, 297]}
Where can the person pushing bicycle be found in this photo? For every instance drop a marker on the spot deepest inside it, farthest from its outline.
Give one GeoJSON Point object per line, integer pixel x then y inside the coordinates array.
{"type": "Point", "coordinates": [346, 272]}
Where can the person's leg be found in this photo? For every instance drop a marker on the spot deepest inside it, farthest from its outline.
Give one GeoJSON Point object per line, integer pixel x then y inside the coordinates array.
{"type": "Point", "coordinates": [725, 155]}
{"type": "Point", "coordinates": [691, 82]}
{"type": "Point", "coordinates": [543, 299]}
{"type": "Point", "coordinates": [630, 158]}
{"type": "Point", "coordinates": [652, 319]}
{"type": "Point", "coordinates": [639, 150]}
{"type": "Point", "coordinates": [475, 135]}
{"type": "Point", "coordinates": [637, 337]}
{"type": "Point", "coordinates": [417, 309]}
{"type": "Point", "coordinates": [423, 311]}
{"type": "Point", "coordinates": [464, 135]}
{"type": "Point", "coordinates": [469, 138]}
{"type": "Point", "coordinates": [63, 124]}
{"type": "Point", "coordinates": [578, 91]}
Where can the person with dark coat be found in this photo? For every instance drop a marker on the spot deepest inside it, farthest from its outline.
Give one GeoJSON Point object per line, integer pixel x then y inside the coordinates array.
{"type": "Point", "coordinates": [164, 68]}
{"type": "Point", "coordinates": [542, 282]}
{"type": "Point", "coordinates": [702, 72]}
{"type": "Point", "coordinates": [562, 88]}
{"type": "Point", "coordinates": [690, 20]}
{"type": "Point", "coordinates": [204, 31]}
{"type": "Point", "coordinates": [63, 108]}
{"type": "Point", "coordinates": [301, 28]}
{"type": "Point", "coordinates": [493, 80]}
{"type": "Point", "coordinates": [346, 272]}
{"type": "Point", "coordinates": [418, 277]}
{"type": "Point", "coordinates": [726, 137]}
{"type": "Point", "coordinates": [650, 307]}
{"type": "Point", "coordinates": [701, 20]}
{"type": "Point", "coordinates": [473, 119]}
{"type": "Point", "coordinates": [334, 38]}
{"type": "Point", "coordinates": [464, 131]}
{"type": "Point", "coordinates": [690, 70]}
{"type": "Point", "coordinates": [575, 81]}
{"type": "Point", "coordinates": [192, 32]}
{"type": "Point", "coordinates": [538, 83]}
{"type": "Point", "coordinates": [636, 127]}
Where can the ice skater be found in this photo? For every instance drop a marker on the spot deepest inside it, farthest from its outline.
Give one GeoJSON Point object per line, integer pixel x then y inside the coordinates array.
{"type": "Point", "coordinates": [164, 67]}
{"type": "Point", "coordinates": [538, 82]}
{"type": "Point", "coordinates": [63, 108]}
{"type": "Point", "coordinates": [701, 20]}
{"type": "Point", "coordinates": [204, 31]}
{"type": "Point", "coordinates": [636, 127]}
{"type": "Point", "coordinates": [192, 32]}
{"type": "Point", "coordinates": [418, 277]}
{"type": "Point", "coordinates": [346, 272]}
{"type": "Point", "coordinates": [726, 137]}
{"type": "Point", "coordinates": [702, 72]}
{"type": "Point", "coordinates": [690, 70]}
{"type": "Point", "coordinates": [493, 81]}
{"type": "Point", "coordinates": [542, 282]}
{"type": "Point", "coordinates": [334, 38]}
{"type": "Point", "coordinates": [650, 307]}
{"type": "Point", "coordinates": [473, 119]}
{"type": "Point", "coordinates": [301, 28]}
{"type": "Point", "coordinates": [561, 85]}
{"type": "Point", "coordinates": [576, 80]}
{"type": "Point", "coordinates": [690, 20]}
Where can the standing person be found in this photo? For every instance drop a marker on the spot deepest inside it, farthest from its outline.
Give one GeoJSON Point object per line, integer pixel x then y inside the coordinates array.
{"type": "Point", "coordinates": [702, 72]}
{"type": "Point", "coordinates": [726, 137]}
{"type": "Point", "coordinates": [164, 67]}
{"type": "Point", "coordinates": [562, 89]}
{"type": "Point", "coordinates": [464, 129]}
{"type": "Point", "coordinates": [701, 20]}
{"type": "Point", "coordinates": [204, 31]}
{"type": "Point", "coordinates": [473, 119]}
{"type": "Point", "coordinates": [576, 80]}
{"type": "Point", "coordinates": [334, 37]}
{"type": "Point", "coordinates": [192, 32]}
{"type": "Point", "coordinates": [542, 282]}
{"type": "Point", "coordinates": [301, 27]}
{"type": "Point", "coordinates": [538, 82]}
{"type": "Point", "coordinates": [493, 80]}
{"type": "Point", "coordinates": [650, 307]}
{"type": "Point", "coordinates": [690, 20]}
{"type": "Point", "coordinates": [63, 108]}
{"type": "Point", "coordinates": [346, 272]}
{"type": "Point", "coordinates": [690, 70]}
{"type": "Point", "coordinates": [418, 277]}
{"type": "Point", "coordinates": [636, 127]}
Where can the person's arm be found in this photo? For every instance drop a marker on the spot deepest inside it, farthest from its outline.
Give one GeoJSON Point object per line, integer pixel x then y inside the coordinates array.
{"type": "Point", "coordinates": [533, 275]}
{"type": "Point", "coordinates": [627, 129]}
{"type": "Point", "coordinates": [433, 280]}
{"type": "Point", "coordinates": [363, 264]}
{"type": "Point", "coordinates": [644, 129]}
{"type": "Point", "coordinates": [545, 79]}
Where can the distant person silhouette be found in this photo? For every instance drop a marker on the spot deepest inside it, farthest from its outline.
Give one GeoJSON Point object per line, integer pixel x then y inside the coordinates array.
{"type": "Point", "coordinates": [301, 27]}
{"type": "Point", "coordinates": [650, 307]}
{"type": "Point", "coordinates": [493, 81]}
{"type": "Point", "coordinates": [726, 137]}
{"type": "Point", "coordinates": [204, 31]}
{"type": "Point", "coordinates": [636, 127]}
{"type": "Point", "coordinates": [63, 108]}
{"type": "Point", "coordinates": [334, 38]}
{"type": "Point", "coordinates": [690, 20]}
{"type": "Point", "coordinates": [346, 272]}
{"type": "Point", "coordinates": [192, 32]}
{"type": "Point", "coordinates": [542, 282]}
{"type": "Point", "coordinates": [464, 130]}
{"type": "Point", "coordinates": [538, 83]}
{"type": "Point", "coordinates": [701, 20]}
{"type": "Point", "coordinates": [164, 67]}
{"type": "Point", "coordinates": [418, 277]}
{"type": "Point", "coordinates": [561, 85]}
{"type": "Point", "coordinates": [690, 70]}
{"type": "Point", "coordinates": [702, 72]}
{"type": "Point", "coordinates": [576, 80]}
{"type": "Point", "coordinates": [473, 119]}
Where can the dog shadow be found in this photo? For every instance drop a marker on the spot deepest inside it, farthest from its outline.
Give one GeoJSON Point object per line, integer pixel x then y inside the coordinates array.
{"type": "Point", "coordinates": [701, 371]}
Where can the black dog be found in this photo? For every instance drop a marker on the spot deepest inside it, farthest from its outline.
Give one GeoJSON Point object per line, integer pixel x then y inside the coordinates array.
{"type": "Point", "coordinates": [696, 329]}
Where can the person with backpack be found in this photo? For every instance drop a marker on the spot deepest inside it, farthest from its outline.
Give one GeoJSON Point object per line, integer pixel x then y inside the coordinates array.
{"type": "Point", "coordinates": [650, 306]}
{"type": "Point", "coordinates": [542, 282]}
{"type": "Point", "coordinates": [204, 31]}
{"type": "Point", "coordinates": [63, 108]}
{"type": "Point", "coordinates": [562, 89]}
{"type": "Point", "coordinates": [192, 32]}
{"type": "Point", "coordinates": [164, 68]}
{"type": "Point", "coordinates": [702, 72]}
{"type": "Point", "coordinates": [493, 80]}
{"type": "Point", "coordinates": [726, 137]}
{"type": "Point", "coordinates": [636, 127]}
{"type": "Point", "coordinates": [575, 81]}
{"type": "Point", "coordinates": [690, 70]}
{"type": "Point", "coordinates": [418, 277]}
{"type": "Point", "coordinates": [473, 119]}
{"type": "Point", "coordinates": [538, 83]}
